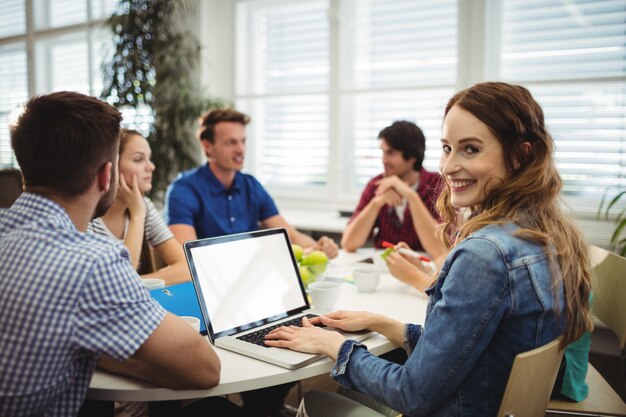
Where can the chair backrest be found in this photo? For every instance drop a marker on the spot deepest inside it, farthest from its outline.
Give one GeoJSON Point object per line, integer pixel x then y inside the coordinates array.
{"type": "Point", "coordinates": [531, 380]}
{"type": "Point", "coordinates": [10, 186]}
{"type": "Point", "coordinates": [609, 290]}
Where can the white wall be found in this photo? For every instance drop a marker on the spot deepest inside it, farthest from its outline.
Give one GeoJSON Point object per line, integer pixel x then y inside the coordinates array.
{"type": "Point", "coordinates": [216, 21]}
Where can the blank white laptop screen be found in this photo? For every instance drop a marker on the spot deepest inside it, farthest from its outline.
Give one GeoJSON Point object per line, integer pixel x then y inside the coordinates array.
{"type": "Point", "coordinates": [259, 270]}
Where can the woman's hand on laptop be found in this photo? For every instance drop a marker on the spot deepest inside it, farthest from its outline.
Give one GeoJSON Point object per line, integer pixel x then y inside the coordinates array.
{"type": "Point", "coordinates": [354, 321]}
{"type": "Point", "coordinates": [307, 339]}
{"type": "Point", "coordinates": [349, 321]}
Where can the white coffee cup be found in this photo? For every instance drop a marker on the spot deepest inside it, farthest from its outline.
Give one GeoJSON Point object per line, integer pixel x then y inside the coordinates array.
{"type": "Point", "coordinates": [153, 283]}
{"type": "Point", "coordinates": [192, 321]}
{"type": "Point", "coordinates": [324, 294]}
{"type": "Point", "coordinates": [366, 279]}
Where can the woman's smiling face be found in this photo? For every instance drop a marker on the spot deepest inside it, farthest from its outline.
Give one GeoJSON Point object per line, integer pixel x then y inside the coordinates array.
{"type": "Point", "coordinates": [472, 161]}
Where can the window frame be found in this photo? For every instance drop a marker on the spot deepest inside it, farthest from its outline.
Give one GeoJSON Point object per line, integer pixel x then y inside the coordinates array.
{"type": "Point", "coordinates": [478, 59]}
{"type": "Point", "coordinates": [33, 35]}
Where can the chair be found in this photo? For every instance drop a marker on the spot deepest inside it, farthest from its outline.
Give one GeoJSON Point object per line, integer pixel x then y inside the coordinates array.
{"type": "Point", "coordinates": [609, 306]}
{"type": "Point", "coordinates": [10, 186]}
{"type": "Point", "coordinates": [609, 293]}
{"type": "Point", "coordinates": [531, 380]}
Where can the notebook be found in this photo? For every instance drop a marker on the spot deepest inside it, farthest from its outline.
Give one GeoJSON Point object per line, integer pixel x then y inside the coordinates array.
{"type": "Point", "coordinates": [246, 282]}
{"type": "Point", "coordinates": [180, 299]}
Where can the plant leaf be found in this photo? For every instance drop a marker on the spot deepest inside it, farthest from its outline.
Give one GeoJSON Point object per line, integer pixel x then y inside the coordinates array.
{"type": "Point", "coordinates": [618, 231]}
{"type": "Point", "coordinates": [614, 201]}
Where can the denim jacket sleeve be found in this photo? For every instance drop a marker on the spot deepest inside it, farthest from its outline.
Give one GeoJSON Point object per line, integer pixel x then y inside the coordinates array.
{"type": "Point", "coordinates": [470, 299]}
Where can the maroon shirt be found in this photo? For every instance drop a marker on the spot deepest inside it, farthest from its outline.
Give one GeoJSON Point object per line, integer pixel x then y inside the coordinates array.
{"type": "Point", "coordinates": [388, 223]}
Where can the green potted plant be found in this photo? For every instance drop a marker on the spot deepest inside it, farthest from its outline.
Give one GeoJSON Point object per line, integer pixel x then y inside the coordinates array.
{"type": "Point", "coordinates": [153, 65]}
{"type": "Point", "coordinates": [618, 240]}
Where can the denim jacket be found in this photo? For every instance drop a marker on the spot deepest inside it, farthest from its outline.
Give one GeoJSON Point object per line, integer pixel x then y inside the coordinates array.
{"type": "Point", "coordinates": [492, 300]}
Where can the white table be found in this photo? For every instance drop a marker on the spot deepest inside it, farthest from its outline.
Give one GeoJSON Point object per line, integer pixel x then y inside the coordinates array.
{"type": "Point", "coordinates": [241, 373]}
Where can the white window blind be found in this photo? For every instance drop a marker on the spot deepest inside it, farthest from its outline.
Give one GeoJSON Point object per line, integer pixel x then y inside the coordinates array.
{"type": "Point", "coordinates": [12, 18]}
{"type": "Point", "coordinates": [399, 43]}
{"type": "Point", "coordinates": [396, 60]}
{"type": "Point", "coordinates": [68, 44]}
{"type": "Point", "coordinates": [13, 91]}
{"type": "Point", "coordinates": [572, 56]}
{"type": "Point", "coordinates": [59, 13]}
{"type": "Point", "coordinates": [284, 89]}
{"type": "Point", "coordinates": [63, 63]}
{"type": "Point", "coordinates": [399, 64]}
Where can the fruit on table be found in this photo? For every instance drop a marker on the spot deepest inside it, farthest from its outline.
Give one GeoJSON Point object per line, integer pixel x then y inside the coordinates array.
{"type": "Point", "coordinates": [306, 275]}
{"type": "Point", "coordinates": [297, 251]}
{"type": "Point", "coordinates": [316, 260]}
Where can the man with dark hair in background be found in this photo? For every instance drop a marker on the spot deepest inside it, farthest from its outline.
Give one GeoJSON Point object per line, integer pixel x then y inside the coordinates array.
{"type": "Point", "coordinates": [70, 299]}
{"type": "Point", "coordinates": [400, 202]}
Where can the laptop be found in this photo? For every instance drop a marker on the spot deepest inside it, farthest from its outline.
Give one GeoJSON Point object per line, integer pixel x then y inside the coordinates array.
{"type": "Point", "coordinates": [181, 300]}
{"type": "Point", "coordinates": [248, 282]}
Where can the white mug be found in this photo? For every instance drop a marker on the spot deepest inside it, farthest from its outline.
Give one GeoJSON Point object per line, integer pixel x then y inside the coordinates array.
{"type": "Point", "coordinates": [192, 321]}
{"type": "Point", "coordinates": [366, 279]}
{"type": "Point", "coordinates": [324, 294]}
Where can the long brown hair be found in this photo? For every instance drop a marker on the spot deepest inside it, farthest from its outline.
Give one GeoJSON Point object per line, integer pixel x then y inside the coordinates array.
{"type": "Point", "coordinates": [146, 259]}
{"type": "Point", "coordinates": [529, 196]}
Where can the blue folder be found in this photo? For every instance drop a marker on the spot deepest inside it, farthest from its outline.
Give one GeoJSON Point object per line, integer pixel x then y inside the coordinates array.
{"type": "Point", "coordinates": [180, 299]}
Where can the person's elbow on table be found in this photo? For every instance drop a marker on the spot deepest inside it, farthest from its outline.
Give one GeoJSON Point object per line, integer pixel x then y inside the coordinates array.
{"type": "Point", "coordinates": [173, 356]}
{"type": "Point", "coordinates": [199, 367]}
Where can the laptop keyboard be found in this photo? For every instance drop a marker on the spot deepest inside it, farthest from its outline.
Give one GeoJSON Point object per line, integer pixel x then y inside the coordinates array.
{"type": "Point", "coordinates": [258, 337]}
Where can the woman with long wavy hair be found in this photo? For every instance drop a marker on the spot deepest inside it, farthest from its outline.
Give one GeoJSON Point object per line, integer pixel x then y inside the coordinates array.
{"type": "Point", "coordinates": [517, 275]}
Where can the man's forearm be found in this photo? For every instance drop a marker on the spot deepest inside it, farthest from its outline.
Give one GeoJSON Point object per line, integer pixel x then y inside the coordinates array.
{"type": "Point", "coordinates": [136, 369]}
{"type": "Point", "coordinates": [359, 230]}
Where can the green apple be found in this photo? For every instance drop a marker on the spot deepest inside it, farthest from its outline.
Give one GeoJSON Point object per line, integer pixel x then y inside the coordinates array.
{"type": "Point", "coordinates": [297, 251]}
{"type": "Point", "coordinates": [317, 260]}
{"type": "Point", "coordinates": [306, 275]}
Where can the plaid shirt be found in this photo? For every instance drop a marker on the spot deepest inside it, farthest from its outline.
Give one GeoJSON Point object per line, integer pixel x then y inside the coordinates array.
{"type": "Point", "coordinates": [65, 298]}
{"type": "Point", "coordinates": [389, 226]}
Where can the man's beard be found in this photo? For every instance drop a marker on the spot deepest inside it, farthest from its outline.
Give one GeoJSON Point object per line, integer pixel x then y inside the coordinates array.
{"type": "Point", "coordinates": [107, 199]}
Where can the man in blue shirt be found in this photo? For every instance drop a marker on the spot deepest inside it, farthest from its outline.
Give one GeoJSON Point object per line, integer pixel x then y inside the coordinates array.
{"type": "Point", "coordinates": [70, 299]}
{"type": "Point", "coordinates": [218, 199]}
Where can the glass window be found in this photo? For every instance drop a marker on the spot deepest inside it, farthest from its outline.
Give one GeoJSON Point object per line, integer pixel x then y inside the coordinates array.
{"type": "Point", "coordinates": [63, 63]}
{"type": "Point", "coordinates": [13, 92]}
{"type": "Point", "coordinates": [59, 13]}
{"type": "Point", "coordinates": [289, 56]}
{"type": "Point", "coordinates": [12, 18]}
{"type": "Point", "coordinates": [394, 69]}
{"type": "Point", "coordinates": [572, 58]}
{"type": "Point", "coordinates": [362, 64]}
{"type": "Point", "coordinates": [68, 48]}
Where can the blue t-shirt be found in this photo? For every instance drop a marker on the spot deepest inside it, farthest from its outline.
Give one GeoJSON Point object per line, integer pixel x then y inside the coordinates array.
{"type": "Point", "coordinates": [197, 198]}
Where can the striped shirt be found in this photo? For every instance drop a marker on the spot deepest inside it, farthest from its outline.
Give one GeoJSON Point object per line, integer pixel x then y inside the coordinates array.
{"type": "Point", "coordinates": [65, 298]}
{"type": "Point", "coordinates": [155, 229]}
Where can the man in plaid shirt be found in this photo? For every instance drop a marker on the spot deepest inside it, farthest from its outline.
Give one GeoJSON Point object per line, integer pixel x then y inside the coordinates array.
{"type": "Point", "coordinates": [70, 298]}
{"type": "Point", "coordinates": [399, 204]}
